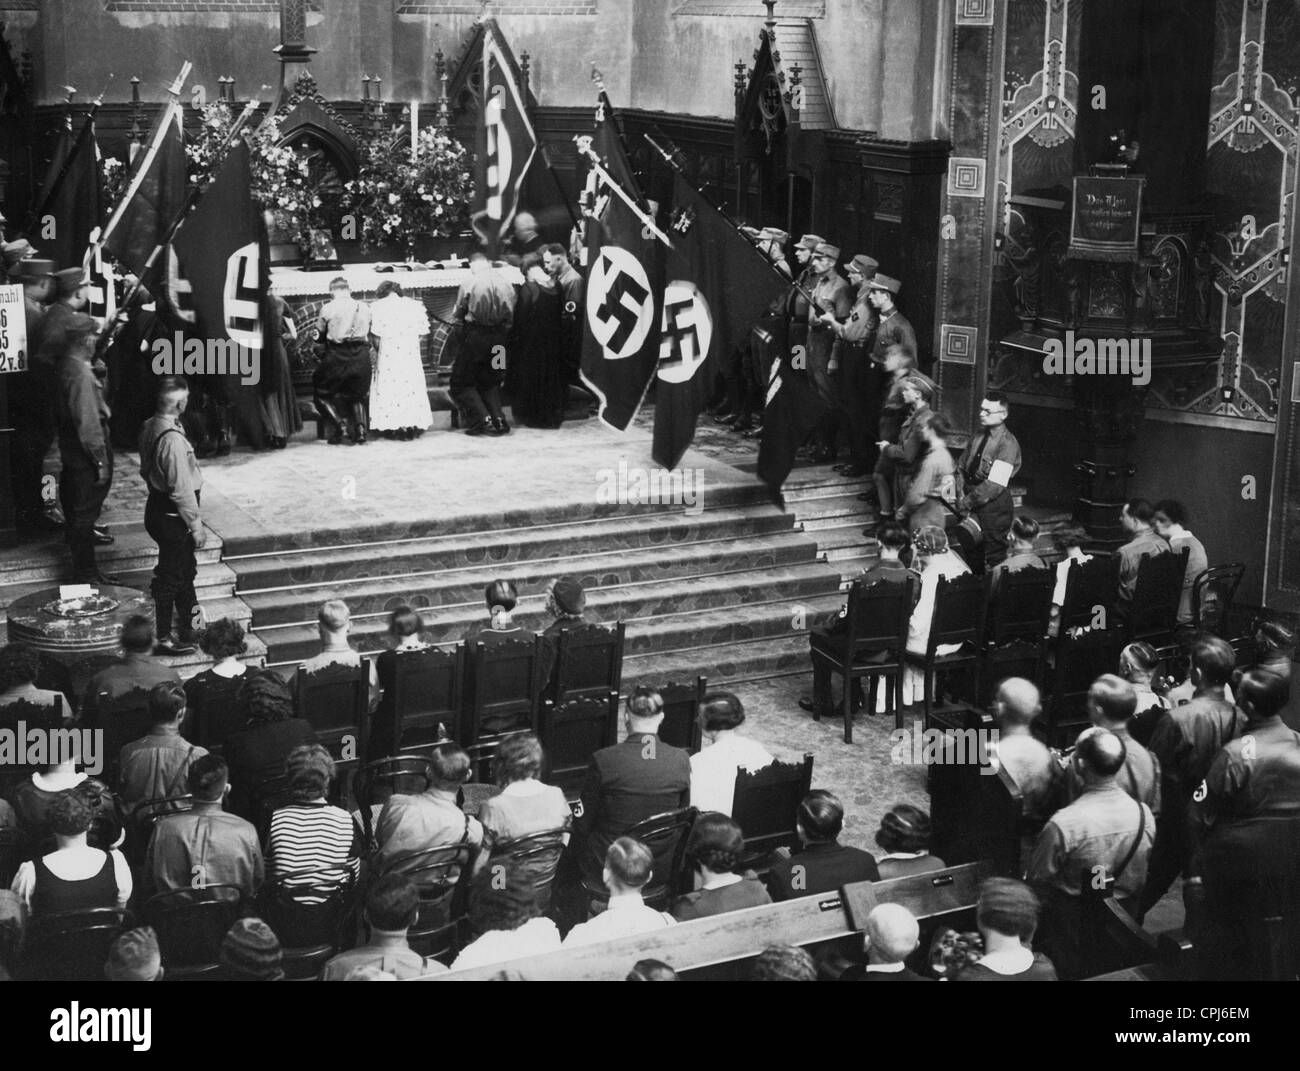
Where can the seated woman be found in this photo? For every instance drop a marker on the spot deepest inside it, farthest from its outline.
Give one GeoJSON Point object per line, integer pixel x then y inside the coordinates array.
{"type": "Point", "coordinates": [21, 700]}
{"type": "Point", "coordinates": [713, 768]}
{"type": "Point", "coordinates": [501, 598]}
{"type": "Point", "coordinates": [75, 876]}
{"type": "Point", "coordinates": [309, 833]}
{"type": "Point", "coordinates": [904, 833]}
{"type": "Point", "coordinates": [716, 846]}
{"type": "Point", "coordinates": [1137, 665]}
{"type": "Point", "coordinates": [1007, 916]}
{"type": "Point", "coordinates": [935, 561]}
{"type": "Point", "coordinates": [211, 710]}
{"type": "Point", "coordinates": [524, 805]}
{"type": "Point", "coordinates": [404, 627]}
{"type": "Point", "coordinates": [935, 482]}
{"type": "Point", "coordinates": [505, 916]}
{"type": "Point", "coordinates": [256, 753]}
{"type": "Point", "coordinates": [1069, 542]}
{"type": "Point", "coordinates": [1020, 551]}
{"type": "Point", "coordinates": [33, 797]}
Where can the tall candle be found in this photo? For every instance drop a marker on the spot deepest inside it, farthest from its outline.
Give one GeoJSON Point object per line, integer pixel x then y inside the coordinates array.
{"type": "Point", "coordinates": [415, 129]}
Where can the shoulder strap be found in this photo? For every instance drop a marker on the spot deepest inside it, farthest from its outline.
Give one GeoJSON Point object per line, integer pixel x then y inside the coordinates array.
{"type": "Point", "coordinates": [181, 773]}
{"type": "Point", "coordinates": [1137, 842]}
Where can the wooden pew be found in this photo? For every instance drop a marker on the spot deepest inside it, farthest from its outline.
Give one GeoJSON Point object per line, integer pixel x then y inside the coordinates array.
{"type": "Point", "coordinates": [741, 935]}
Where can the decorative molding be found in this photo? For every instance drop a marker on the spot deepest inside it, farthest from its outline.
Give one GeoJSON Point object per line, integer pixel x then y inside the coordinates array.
{"type": "Point", "coordinates": [966, 177]}
{"type": "Point", "coordinates": [200, 7]}
{"type": "Point", "coordinates": [804, 9]}
{"type": "Point", "coordinates": [502, 7]}
{"type": "Point", "coordinates": [957, 344]}
{"type": "Point", "coordinates": [975, 12]}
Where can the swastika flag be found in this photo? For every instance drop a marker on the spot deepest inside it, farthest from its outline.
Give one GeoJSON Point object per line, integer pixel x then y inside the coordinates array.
{"type": "Point", "coordinates": [718, 285]}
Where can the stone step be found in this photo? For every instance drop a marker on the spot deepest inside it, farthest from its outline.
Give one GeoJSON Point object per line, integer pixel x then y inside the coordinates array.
{"type": "Point", "coordinates": [496, 550]}
{"type": "Point", "coordinates": [724, 665]}
{"type": "Point", "coordinates": [679, 614]}
{"type": "Point", "coordinates": [445, 589]}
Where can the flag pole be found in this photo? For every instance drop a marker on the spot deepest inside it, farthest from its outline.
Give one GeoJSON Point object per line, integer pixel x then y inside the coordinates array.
{"type": "Point", "coordinates": [191, 198]}
{"type": "Point", "coordinates": [584, 149]}
{"type": "Point", "coordinates": [39, 210]}
{"type": "Point", "coordinates": [668, 159]}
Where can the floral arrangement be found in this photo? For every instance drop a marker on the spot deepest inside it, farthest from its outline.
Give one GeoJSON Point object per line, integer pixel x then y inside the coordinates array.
{"type": "Point", "coordinates": [112, 177]}
{"type": "Point", "coordinates": [950, 951]}
{"type": "Point", "coordinates": [397, 199]}
{"type": "Point", "coordinates": [283, 183]}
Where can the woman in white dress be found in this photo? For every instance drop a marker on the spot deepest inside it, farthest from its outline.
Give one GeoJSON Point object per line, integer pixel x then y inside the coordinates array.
{"type": "Point", "coordinates": [399, 397]}
{"type": "Point", "coordinates": [935, 561]}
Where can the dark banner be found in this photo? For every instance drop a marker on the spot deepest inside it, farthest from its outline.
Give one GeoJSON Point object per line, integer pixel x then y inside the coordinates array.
{"type": "Point", "coordinates": [1106, 219]}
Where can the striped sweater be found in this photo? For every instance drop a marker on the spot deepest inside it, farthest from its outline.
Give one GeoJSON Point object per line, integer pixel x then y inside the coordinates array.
{"type": "Point", "coordinates": [311, 837]}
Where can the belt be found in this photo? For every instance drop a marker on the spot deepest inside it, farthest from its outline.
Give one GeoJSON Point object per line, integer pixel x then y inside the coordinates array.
{"type": "Point", "coordinates": [345, 341]}
{"type": "Point", "coordinates": [484, 327]}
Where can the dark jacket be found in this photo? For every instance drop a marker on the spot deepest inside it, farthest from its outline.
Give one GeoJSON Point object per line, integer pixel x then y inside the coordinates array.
{"type": "Point", "coordinates": [255, 756]}
{"type": "Point", "coordinates": [820, 868]}
{"type": "Point", "coordinates": [628, 783]}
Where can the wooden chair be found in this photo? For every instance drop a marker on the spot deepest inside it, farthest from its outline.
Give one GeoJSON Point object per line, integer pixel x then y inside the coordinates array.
{"type": "Point", "coordinates": [1110, 939]}
{"type": "Point", "coordinates": [71, 946]}
{"type": "Point", "coordinates": [1079, 662]}
{"type": "Point", "coordinates": [376, 781]}
{"type": "Point", "coordinates": [14, 851]}
{"type": "Point", "coordinates": [572, 732]}
{"type": "Point", "coordinates": [147, 814]}
{"type": "Point", "coordinates": [766, 805]}
{"type": "Point", "coordinates": [1015, 629]}
{"type": "Point", "coordinates": [665, 835]}
{"type": "Point", "coordinates": [588, 663]}
{"type": "Point", "coordinates": [312, 913]}
{"type": "Point", "coordinates": [504, 687]}
{"type": "Point", "coordinates": [958, 619]}
{"type": "Point", "coordinates": [425, 700]}
{"type": "Point", "coordinates": [1152, 614]}
{"type": "Point", "coordinates": [538, 855]}
{"type": "Point", "coordinates": [681, 724]}
{"type": "Point", "coordinates": [976, 808]}
{"type": "Point", "coordinates": [1214, 592]}
{"type": "Point", "coordinates": [442, 875]}
{"type": "Point", "coordinates": [334, 700]}
{"type": "Point", "coordinates": [878, 616]}
{"type": "Point", "coordinates": [1091, 589]}
{"type": "Point", "coordinates": [191, 923]}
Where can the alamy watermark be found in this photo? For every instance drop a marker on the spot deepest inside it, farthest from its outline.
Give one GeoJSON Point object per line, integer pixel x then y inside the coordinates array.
{"type": "Point", "coordinates": [21, 746]}
{"type": "Point", "coordinates": [646, 487]}
{"type": "Point", "coordinates": [1074, 356]}
{"type": "Point", "coordinates": [181, 356]}
{"type": "Point", "coordinates": [919, 746]}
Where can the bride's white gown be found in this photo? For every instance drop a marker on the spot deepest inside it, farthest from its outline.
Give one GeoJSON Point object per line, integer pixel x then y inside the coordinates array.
{"type": "Point", "coordinates": [398, 394]}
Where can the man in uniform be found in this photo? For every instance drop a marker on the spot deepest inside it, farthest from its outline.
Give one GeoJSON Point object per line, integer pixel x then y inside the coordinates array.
{"type": "Point", "coordinates": [31, 406]}
{"type": "Point", "coordinates": [84, 442]}
{"type": "Point", "coordinates": [485, 309]}
{"type": "Point", "coordinates": [342, 379]}
{"type": "Point", "coordinates": [856, 336]}
{"type": "Point", "coordinates": [171, 516]}
{"type": "Point", "coordinates": [766, 341]}
{"type": "Point", "coordinates": [830, 296]}
{"type": "Point", "coordinates": [986, 468]}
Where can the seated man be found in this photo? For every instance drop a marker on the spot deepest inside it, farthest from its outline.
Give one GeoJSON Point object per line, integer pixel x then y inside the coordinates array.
{"type": "Point", "coordinates": [334, 622]}
{"type": "Point", "coordinates": [1170, 522]}
{"type": "Point", "coordinates": [411, 824]}
{"type": "Point", "coordinates": [1020, 551]}
{"type": "Point", "coordinates": [157, 765]}
{"type": "Point", "coordinates": [891, 936]}
{"type": "Point", "coordinates": [1104, 832]}
{"type": "Point", "coordinates": [1007, 917]}
{"type": "Point", "coordinates": [716, 846]}
{"type": "Point", "coordinates": [630, 782]}
{"type": "Point", "coordinates": [713, 768]}
{"type": "Point", "coordinates": [822, 863]}
{"type": "Point", "coordinates": [1136, 516]}
{"type": "Point", "coordinates": [392, 907]}
{"type": "Point", "coordinates": [892, 538]}
{"type": "Point", "coordinates": [135, 957]}
{"type": "Point", "coordinates": [136, 671]}
{"type": "Point", "coordinates": [629, 866]}
{"type": "Point", "coordinates": [204, 845]}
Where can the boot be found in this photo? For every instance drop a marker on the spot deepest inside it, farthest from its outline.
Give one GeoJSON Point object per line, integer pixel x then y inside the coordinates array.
{"type": "Point", "coordinates": [325, 409]}
{"type": "Point", "coordinates": [359, 422]}
{"type": "Point", "coordinates": [85, 570]}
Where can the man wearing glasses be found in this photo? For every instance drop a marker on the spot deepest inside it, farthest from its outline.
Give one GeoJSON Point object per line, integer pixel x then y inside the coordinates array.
{"type": "Point", "coordinates": [986, 468]}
